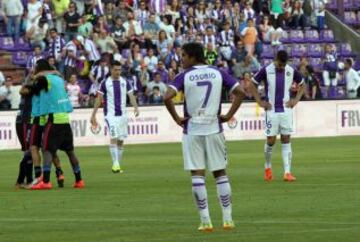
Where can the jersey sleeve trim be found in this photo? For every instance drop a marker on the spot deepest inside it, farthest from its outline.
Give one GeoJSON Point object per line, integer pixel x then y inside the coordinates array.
{"type": "Point", "coordinates": [174, 88]}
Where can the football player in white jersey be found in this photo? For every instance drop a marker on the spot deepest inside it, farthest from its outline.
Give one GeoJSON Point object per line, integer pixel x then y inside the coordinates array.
{"type": "Point", "coordinates": [203, 140]}
{"type": "Point", "coordinates": [278, 78]}
{"type": "Point", "coordinates": [114, 91]}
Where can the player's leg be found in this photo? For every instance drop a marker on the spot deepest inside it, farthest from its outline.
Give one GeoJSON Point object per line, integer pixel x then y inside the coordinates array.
{"type": "Point", "coordinates": [271, 130]}
{"type": "Point", "coordinates": [21, 134]}
{"type": "Point", "coordinates": [216, 160]}
{"type": "Point", "coordinates": [35, 144]}
{"type": "Point", "coordinates": [286, 130]}
{"type": "Point", "coordinates": [113, 147]}
{"type": "Point", "coordinates": [194, 161]}
{"type": "Point", "coordinates": [287, 156]}
{"type": "Point", "coordinates": [58, 171]}
{"type": "Point", "coordinates": [120, 147]}
{"type": "Point", "coordinates": [67, 145]}
{"type": "Point", "coordinates": [122, 133]}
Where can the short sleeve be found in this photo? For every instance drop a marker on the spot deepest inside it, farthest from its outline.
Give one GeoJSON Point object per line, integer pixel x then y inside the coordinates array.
{"type": "Point", "coordinates": [228, 81]}
{"type": "Point", "coordinates": [260, 76]}
{"type": "Point", "coordinates": [102, 88]}
{"type": "Point", "coordinates": [298, 77]}
{"type": "Point", "coordinates": [178, 83]}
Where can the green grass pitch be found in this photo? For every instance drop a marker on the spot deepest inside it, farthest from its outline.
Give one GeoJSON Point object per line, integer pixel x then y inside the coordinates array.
{"type": "Point", "coordinates": [152, 200]}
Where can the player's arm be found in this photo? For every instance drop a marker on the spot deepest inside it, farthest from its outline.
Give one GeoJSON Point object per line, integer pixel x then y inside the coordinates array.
{"type": "Point", "coordinates": [169, 95]}
{"type": "Point", "coordinates": [301, 90]}
{"type": "Point", "coordinates": [239, 97]}
{"type": "Point", "coordinates": [257, 79]}
{"type": "Point", "coordinates": [97, 104]}
{"type": "Point", "coordinates": [133, 102]}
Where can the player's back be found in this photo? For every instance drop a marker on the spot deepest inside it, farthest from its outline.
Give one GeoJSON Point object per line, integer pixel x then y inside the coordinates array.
{"type": "Point", "coordinates": [202, 90]}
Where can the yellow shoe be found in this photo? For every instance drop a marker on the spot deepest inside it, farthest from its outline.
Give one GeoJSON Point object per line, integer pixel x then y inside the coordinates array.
{"type": "Point", "coordinates": [116, 169]}
{"type": "Point", "coordinates": [206, 227]}
{"type": "Point", "coordinates": [228, 225]}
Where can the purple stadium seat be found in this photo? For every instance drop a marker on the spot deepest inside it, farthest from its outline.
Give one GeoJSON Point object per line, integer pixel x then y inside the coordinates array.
{"type": "Point", "coordinates": [315, 50]}
{"type": "Point", "coordinates": [358, 16]}
{"type": "Point", "coordinates": [285, 37]}
{"type": "Point", "coordinates": [23, 45]}
{"type": "Point", "coordinates": [323, 91]}
{"type": "Point", "coordinates": [350, 17]}
{"type": "Point", "coordinates": [316, 63]}
{"type": "Point", "coordinates": [348, 4]}
{"type": "Point", "coordinates": [357, 3]}
{"type": "Point", "coordinates": [332, 5]}
{"type": "Point", "coordinates": [20, 58]}
{"type": "Point", "coordinates": [7, 43]}
{"type": "Point", "coordinates": [312, 36]}
{"type": "Point", "coordinates": [298, 50]}
{"type": "Point", "coordinates": [297, 36]}
{"type": "Point", "coordinates": [332, 93]}
{"type": "Point", "coordinates": [327, 35]}
{"type": "Point", "coordinates": [285, 47]}
{"type": "Point", "coordinates": [356, 65]}
{"type": "Point", "coordinates": [84, 85]}
{"type": "Point", "coordinates": [143, 52]}
{"type": "Point", "coordinates": [345, 50]}
{"type": "Point", "coordinates": [265, 62]}
{"type": "Point", "coordinates": [295, 62]}
{"type": "Point", "coordinates": [125, 53]}
{"type": "Point", "coordinates": [268, 51]}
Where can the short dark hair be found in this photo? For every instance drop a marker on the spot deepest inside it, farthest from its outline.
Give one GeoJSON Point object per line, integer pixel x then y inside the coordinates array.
{"type": "Point", "coordinates": [53, 30]}
{"type": "Point", "coordinates": [115, 63]}
{"type": "Point", "coordinates": [42, 65]}
{"type": "Point", "coordinates": [195, 50]}
{"type": "Point", "coordinates": [349, 61]}
{"type": "Point", "coordinates": [282, 56]}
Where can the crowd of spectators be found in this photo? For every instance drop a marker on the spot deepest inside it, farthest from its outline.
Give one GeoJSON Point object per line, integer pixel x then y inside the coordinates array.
{"type": "Point", "coordinates": [81, 37]}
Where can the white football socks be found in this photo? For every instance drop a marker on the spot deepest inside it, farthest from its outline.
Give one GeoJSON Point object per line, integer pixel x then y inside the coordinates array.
{"type": "Point", "coordinates": [114, 154]}
{"type": "Point", "coordinates": [286, 156]}
{"type": "Point", "coordinates": [121, 151]}
{"type": "Point", "coordinates": [224, 196]}
{"type": "Point", "coordinates": [200, 195]}
{"type": "Point", "coordinates": [268, 152]}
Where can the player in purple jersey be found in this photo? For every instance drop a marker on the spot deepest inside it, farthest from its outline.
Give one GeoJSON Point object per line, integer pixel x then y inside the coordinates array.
{"type": "Point", "coordinates": [278, 78]}
{"type": "Point", "coordinates": [113, 93]}
{"type": "Point", "coordinates": [203, 139]}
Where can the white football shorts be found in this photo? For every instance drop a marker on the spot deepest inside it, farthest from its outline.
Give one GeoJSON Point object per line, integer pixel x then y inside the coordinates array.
{"type": "Point", "coordinates": [279, 123]}
{"type": "Point", "coordinates": [117, 127]}
{"type": "Point", "coordinates": [204, 152]}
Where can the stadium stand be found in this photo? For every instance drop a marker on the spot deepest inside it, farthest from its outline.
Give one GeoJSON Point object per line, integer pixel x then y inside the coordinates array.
{"type": "Point", "coordinates": [125, 30]}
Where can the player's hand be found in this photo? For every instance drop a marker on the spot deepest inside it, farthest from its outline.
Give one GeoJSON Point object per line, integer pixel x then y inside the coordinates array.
{"type": "Point", "coordinates": [181, 121]}
{"type": "Point", "coordinates": [93, 121]}
{"type": "Point", "coordinates": [265, 105]}
{"type": "Point", "coordinates": [224, 118]}
{"type": "Point", "coordinates": [291, 103]}
{"type": "Point", "coordinates": [136, 112]}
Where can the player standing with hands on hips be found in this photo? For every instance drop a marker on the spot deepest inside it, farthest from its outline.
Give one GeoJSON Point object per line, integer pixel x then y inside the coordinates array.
{"type": "Point", "coordinates": [203, 139]}
{"type": "Point", "coordinates": [278, 78]}
{"type": "Point", "coordinates": [113, 93]}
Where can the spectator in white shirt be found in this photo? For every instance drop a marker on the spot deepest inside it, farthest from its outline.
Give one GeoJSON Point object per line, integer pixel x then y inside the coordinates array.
{"type": "Point", "coordinates": [352, 79]}
{"type": "Point", "coordinates": [34, 13]}
{"type": "Point", "coordinates": [74, 91]}
{"type": "Point", "coordinates": [5, 94]}
{"type": "Point", "coordinates": [150, 60]}
{"type": "Point", "coordinates": [13, 10]}
{"type": "Point", "coordinates": [132, 27]}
